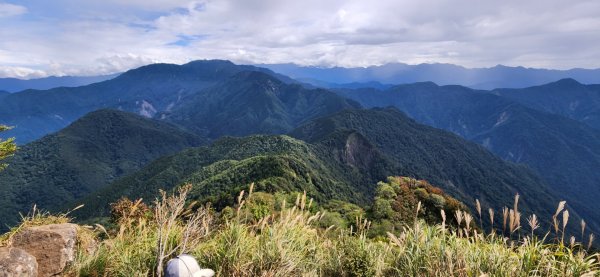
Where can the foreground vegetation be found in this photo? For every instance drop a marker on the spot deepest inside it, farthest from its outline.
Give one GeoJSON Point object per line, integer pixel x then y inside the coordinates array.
{"type": "Point", "coordinates": [285, 234]}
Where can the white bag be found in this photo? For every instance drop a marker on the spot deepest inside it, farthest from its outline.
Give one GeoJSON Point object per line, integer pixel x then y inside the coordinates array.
{"type": "Point", "coordinates": [186, 266]}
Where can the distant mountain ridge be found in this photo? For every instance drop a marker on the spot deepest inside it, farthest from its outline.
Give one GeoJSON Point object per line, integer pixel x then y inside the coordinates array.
{"type": "Point", "coordinates": [444, 74]}
{"type": "Point", "coordinates": [14, 84]}
{"type": "Point", "coordinates": [565, 97]}
{"type": "Point", "coordinates": [149, 91]}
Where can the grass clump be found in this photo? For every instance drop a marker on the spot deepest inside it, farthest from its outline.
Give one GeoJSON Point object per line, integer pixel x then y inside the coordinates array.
{"type": "Point", "coordinates": [282, 234]}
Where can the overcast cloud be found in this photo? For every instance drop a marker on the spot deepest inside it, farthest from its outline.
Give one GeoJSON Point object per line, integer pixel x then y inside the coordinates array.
{"type": "Point", "coordinates": [89, 37]}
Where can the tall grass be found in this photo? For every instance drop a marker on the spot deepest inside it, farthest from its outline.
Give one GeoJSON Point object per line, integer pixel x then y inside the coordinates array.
{"type": "Point", "coordinates": [289, 242]}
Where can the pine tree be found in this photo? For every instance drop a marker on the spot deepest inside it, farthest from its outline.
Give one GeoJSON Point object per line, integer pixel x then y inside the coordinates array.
{"type": "Point", "coordinates": [7, 147]}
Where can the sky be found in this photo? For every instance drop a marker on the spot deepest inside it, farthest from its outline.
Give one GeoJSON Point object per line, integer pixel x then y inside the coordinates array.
{"type": "Point", "coordinates": [92, 37]}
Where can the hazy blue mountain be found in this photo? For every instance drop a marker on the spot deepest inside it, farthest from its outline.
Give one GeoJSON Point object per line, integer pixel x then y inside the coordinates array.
{"type": "Point", "coordinates": [148, 91]}
{"type": "Point", "coordinates": [253, 103]}
{"type": "Point", "coordinates": [82, 158]}
{"type": "Point", "coordinates": [354, 85]}
{"type": "Point", "coordinates": [565, 97]}
{"type": "Point", "coordinates": [565, 152]}
{"type": "Point", "coordinates": [342, 157]}
{"type": "Point", "coordinates": [444, 74]}
{"type": "Point", "coordinates": [14, 84]}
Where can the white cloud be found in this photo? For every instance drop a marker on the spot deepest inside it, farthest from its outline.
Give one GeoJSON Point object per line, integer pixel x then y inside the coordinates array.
{"type": "Point", "coordinates": [94, 36]}
{"type": "Point", "coordinates": [7, 10]}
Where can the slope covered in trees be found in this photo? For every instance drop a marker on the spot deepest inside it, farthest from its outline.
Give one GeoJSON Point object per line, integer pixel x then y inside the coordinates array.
{"type": "Point", "coordinates": [253, 102]}
{"type": "Point", "coordinates": [82, 158]}
{"type": "Point", "coordinates": [566, 153]}
{"type": "Point", "coordinates": [342, 157]}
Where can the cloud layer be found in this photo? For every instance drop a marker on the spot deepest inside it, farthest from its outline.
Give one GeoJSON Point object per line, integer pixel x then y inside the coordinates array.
{"type": "Point", "coordinates": [73, 37]}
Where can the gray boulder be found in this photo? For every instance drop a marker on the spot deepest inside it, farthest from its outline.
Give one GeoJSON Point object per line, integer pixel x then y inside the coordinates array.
{"type": "Point", "coordinates": [15, 262]}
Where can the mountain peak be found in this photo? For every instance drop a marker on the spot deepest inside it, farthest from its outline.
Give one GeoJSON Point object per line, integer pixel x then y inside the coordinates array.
{"type": "Point", "coordinates": [215, 62]}
{"type": "Point", "coordinates": [566, 82]}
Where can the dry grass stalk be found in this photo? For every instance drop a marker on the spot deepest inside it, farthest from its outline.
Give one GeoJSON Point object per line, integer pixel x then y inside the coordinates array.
{"type": "Point", "coordinates": [478, 208]}
{"type": "Point", "coordinates": [504, 219]}
{"type": "Point", "coordinates": [565, 219]}
{"type": "Point", "coordinates": [561, 206]}
{"type": "Point", "coordinates": [443, 213]}
{"type": "Point", "coordinates": [491, 212]}
{"type": "Point", "coordinates": [468, 218]}
{"type": "Point", "coordinates": [582, 229]}
{"type": "Point", "coordinates": [166, 212]}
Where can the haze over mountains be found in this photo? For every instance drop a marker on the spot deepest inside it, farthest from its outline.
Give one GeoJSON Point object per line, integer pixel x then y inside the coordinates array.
{"type": "Point", "coordinates": [443, 74]}
{"type": "Point", "coordinates": [14, 84]}
{"type": "Point", "coordinates": [294, 136]}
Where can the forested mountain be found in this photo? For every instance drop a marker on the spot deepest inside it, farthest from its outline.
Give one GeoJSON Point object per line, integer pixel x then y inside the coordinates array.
{"type": "Point", "coordinates": [253, 103]}
{"type": "Point", "coordinates": [565, 97]}
{"type": "Point", "coordinates": [343, 156]}
{"type": "Point", "coordinates": [566, 153]}
{"type": "Point", "coordinates": [148, 91]}
{"type": "Point", "coordinates": [445, 74]}
{"type": "Point", "coordinates": [82, 158]}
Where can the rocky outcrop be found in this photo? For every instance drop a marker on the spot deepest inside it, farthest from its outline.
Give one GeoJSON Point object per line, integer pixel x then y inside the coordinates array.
{"type": "Point", "coordinates": [53, 246]}
{"type": "Point", "coordinates": [15, 262]}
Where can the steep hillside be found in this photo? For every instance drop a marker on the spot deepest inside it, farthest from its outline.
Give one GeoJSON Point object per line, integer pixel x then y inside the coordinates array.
{"type": "Point", "coordinates": [463, 169]}
{"type": "Point", "coordinates": [566, 97]}
{"type": "Point", "coordinates": [147, 91]}
{"type": "Point", "coordinates": [565, 152]}
{"type": "Point", "coordinates": [254, 103]}
{"type": "Point", "coordinates": [344, 156]}
{"type": "Point", "coordinates": [82, 158]}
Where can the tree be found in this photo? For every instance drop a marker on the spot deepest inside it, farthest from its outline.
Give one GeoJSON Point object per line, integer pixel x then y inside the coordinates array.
{"type": "Point", "coordinates": [7, 147]}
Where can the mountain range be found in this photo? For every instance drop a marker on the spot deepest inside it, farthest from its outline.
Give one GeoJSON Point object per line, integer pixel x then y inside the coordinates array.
{"type": "Point", "coordinates": [444, 74]}
{"type": "Point", "coordinates": [221, 126]}
{"type": "Point", "coordinates": [340, 157]}
{"type": "Point", "coordinates": [565, 152]}
{"type": "Point", "coordinates": [149, 91]}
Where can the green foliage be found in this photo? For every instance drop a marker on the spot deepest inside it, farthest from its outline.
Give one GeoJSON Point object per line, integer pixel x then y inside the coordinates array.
{"type": "Point", "coordinates": [397, 200]}
{"type": "Point", "coordinates": [7, 147]}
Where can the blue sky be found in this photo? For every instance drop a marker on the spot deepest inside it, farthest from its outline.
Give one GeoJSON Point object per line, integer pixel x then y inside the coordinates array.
{"type": "Point", "coordinates": [89, 37]}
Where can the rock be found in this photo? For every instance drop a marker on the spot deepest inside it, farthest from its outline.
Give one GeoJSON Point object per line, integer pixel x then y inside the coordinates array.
{"type": "Point", "coordinates": [15, 262]}
{"type": "Point", "coordinates": [53, 246]}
